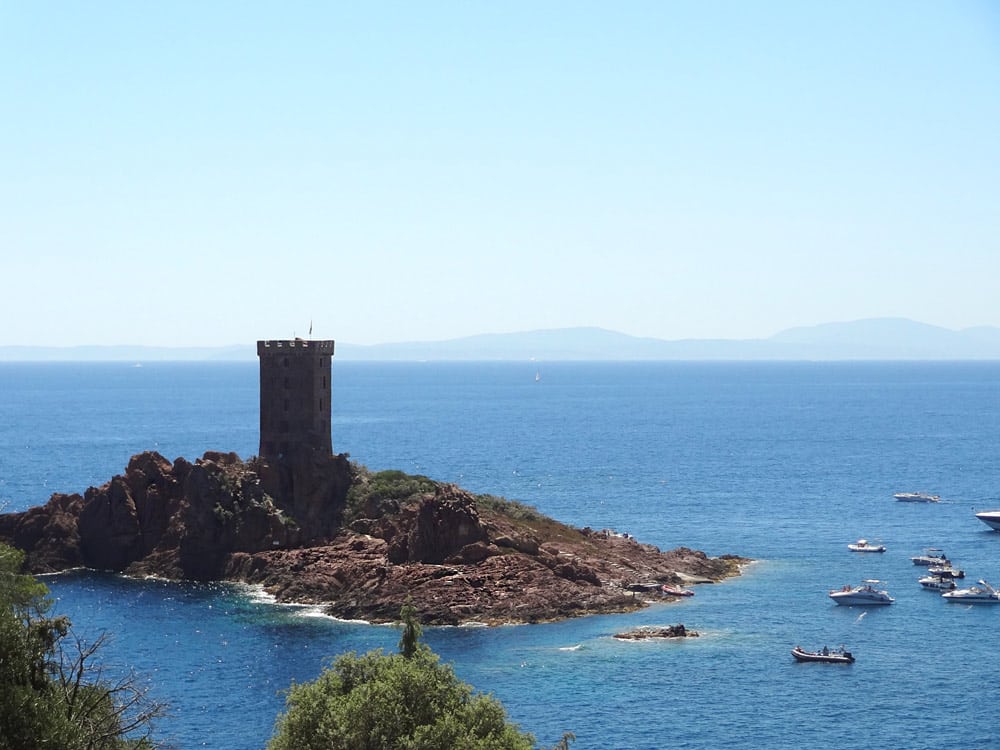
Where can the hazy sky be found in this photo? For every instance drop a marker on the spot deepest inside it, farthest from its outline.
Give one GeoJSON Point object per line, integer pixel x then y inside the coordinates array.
{"type": "Point", "coordinates": [212, 173]}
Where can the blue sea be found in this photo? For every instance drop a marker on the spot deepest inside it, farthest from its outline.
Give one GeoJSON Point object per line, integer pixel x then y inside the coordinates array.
{"type": "Point", "coordinates": [785, 463]}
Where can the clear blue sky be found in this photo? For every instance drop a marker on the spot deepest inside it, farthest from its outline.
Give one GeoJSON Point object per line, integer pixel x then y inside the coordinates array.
{"type": "Point", "coordinates": [209, 173]}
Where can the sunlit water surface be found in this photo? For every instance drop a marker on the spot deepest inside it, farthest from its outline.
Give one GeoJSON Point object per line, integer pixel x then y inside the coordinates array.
{"type": "Point", "coordinates": [785, 463]}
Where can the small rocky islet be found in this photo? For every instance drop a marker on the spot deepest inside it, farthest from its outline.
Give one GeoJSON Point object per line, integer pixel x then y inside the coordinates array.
{"type": "Point", "coordinates": [326, 530]}
{"type": "Point", "coordinates": [657, 632]}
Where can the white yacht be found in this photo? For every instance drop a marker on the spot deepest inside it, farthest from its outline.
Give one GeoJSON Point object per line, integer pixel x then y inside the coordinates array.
{"type": "Point", "coordinates": [931, 556]}
{"type": "Point", "coordinates": [863, 545]}
{"type": "Point", "coordinates": [991, 518]}
{"type": "Point", "coordinates": [865, 593]}
{"type": "Point", "coordinates": [946, 571]}
{"type": "Point", "coordinates": [937, 583]}
{"type": "Point", "coordinates": [981, 594]}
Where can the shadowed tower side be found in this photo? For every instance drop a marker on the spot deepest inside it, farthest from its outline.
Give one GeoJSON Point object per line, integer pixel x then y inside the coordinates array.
{"type": "Point", "coordinates": [295, 386]}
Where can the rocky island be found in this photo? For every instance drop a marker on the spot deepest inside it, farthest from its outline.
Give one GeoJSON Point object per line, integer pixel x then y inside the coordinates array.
{"type": "Point", "coordinates": [361, 543]}
{"type": "Point", "coordinates": [311, 526]}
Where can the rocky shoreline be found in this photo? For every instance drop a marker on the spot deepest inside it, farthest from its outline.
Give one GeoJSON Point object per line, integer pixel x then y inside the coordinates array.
{"type": "Point", "coordinates": [328, 531]}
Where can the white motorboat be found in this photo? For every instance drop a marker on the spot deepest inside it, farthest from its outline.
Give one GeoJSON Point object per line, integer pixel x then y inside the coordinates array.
{"type": "Point", "coordinates": [931, 556]}
{"type": "Point", "coordinates": [946, 571]}
{"type": "Point", "coordinates": [916, 497]}
{"type": "Point", "coordinates": [865, 594]}
{"type": "Point", "coordinates": [937, 583]}
{"type": "Point", "coordinates": [991, 518]}
{"type": "Point", "coordinates": [981, 594]}
{"type": "Point", "coordinates": [863, 545]}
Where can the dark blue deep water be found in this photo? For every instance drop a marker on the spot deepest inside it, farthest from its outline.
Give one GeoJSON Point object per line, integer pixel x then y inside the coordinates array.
{"type": "Point", "coordinates": [786, 463]}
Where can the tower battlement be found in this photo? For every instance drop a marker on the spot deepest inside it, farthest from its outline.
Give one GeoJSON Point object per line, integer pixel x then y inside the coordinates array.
{"type": "Point", "coordinates": [295, 391]}
{"type": "Point", "coordinates": [294, 346]}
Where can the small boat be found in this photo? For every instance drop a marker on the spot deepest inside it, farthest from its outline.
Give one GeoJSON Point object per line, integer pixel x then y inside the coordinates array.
{"type": "Point", "coordinates": [937, 583]}
{"type": "Point", "coordinates": [931, 556]}
{"type": "Point", "coordinates": [824, 655]}
{"type": "Point", "coordinates": [916, 497]}
{"type": "Point", "coordinates": [981, 594]}
{"type": "Point", "coordinates": [946, 571]}
{"type": "Point", "coordinates": [866, 593]}
{"type": "Point", "coordinates": [991, 518]}
{"type": "Point", "coordinates": [863, 545]}
{"type": "Point", "coordinates": [676, 591]}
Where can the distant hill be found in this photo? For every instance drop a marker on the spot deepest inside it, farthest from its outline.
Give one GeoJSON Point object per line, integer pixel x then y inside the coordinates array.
{"type": "Point", "coordinates": [869, 339]}
{"type": "Point", "coordinates": [891, 338]}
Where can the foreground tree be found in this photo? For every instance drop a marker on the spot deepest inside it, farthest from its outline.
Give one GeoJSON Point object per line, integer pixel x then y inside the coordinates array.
{"type": "Point", "coordinates": [52, 695]}
{"type": "Point", "coordinates": [404, 701]}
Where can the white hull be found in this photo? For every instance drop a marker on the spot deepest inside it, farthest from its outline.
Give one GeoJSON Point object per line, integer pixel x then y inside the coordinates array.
{"type": "Point", "coordinates": [851, 599]}
{"type": "Point", "coordinates": [982, 594]}
{"type": "Point", "coordinates": [916, 497]}
{"type": "Point", "coordinates": [863, 545]}
{"type": "Point", "coordinates": [931, 556]}
{"type": "Point", "coordinates": [864, 594]}
{"type": "Point", "coordinates": [991, 518]}
{"type": "Point", "coordinates": [936, 583]}
{"type": "Point", "coordinates": [978, 598]}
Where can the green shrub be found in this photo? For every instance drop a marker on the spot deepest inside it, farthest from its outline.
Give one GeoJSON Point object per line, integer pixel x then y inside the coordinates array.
{"type": "Point", "coordinates": [52, 695]}
{"type": "Point", "coordinates": [404, 701]}
{"type": "Point", "coordinates": [510, 508]}
{"type": "Point", "coordinates": [376, 488]}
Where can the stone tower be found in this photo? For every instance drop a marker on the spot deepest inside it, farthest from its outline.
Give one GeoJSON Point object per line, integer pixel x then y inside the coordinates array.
{"type": "Point", "coordinates": [295, 385]}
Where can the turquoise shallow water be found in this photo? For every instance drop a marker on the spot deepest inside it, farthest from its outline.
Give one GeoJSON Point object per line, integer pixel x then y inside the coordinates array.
{"type": "Point", "coordinates": [786, 463]}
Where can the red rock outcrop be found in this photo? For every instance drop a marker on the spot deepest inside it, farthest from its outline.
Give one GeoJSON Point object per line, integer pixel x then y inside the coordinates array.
{"type": "Point", "coordinates": [362, 544]}
{"type": "Point", "coordinates": [654, 632]}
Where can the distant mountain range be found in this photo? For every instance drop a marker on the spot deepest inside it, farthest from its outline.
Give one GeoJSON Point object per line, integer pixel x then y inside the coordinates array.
{"type": "Point", "coordinates": [870, 339]}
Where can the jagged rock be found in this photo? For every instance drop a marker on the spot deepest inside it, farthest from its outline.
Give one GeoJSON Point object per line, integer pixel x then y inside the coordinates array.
{"type": "Point", "coordinates": [473, 553]}
{"type": "Point", "coordinates": [665, 631]}
{"type": "Point", "coordinates": [434, 527]}
{"type": "Point", "coordinates": [48, 534]}
{"type": "Point", "coordinates": [524, 544]}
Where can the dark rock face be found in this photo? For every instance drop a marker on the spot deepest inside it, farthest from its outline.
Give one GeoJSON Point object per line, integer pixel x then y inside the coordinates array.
{"type": "Point", "coordinates": [649, 633]}
{"type": "Point", "coordinates": [434, 529]}
{"type": "Point", "coordinates": [48, 534]}
{"type": "Point", "coordinates": [282, 525]}
{"type": "Point", "coordinates": [179, 520]}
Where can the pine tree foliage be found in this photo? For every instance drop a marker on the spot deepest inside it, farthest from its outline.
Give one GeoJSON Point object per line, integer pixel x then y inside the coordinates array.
{"type": "Point", "coordinates": [52, 692]}
{"type": "Point", "coordinates": [404, 701]}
